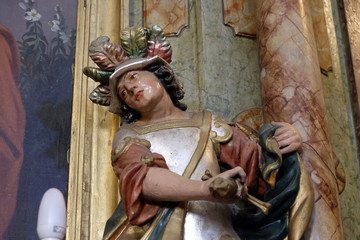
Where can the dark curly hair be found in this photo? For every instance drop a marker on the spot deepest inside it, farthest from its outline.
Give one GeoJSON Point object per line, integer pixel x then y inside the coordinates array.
{"type": "Point", "coordinates": [171, 85]}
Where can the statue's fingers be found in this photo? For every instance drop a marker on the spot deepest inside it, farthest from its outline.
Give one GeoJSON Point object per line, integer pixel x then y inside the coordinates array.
{"type": "Point", "coordinates": [288, 149]}
{"type": "Point", "coordinates": [242, 175]}
{"type": "Point", "coordinates": [288, 141]}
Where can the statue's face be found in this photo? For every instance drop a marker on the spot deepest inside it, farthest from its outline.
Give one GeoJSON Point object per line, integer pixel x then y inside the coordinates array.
{"type": "Point", "coordinates": [140, 90]}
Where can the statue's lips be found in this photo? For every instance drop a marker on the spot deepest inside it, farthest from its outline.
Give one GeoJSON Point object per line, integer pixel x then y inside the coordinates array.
{"type": "Point", "coordinates": [138, 94]}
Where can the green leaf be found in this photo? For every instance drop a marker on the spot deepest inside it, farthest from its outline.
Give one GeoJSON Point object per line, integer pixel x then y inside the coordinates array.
{"type": "Point", "coordinates": [37, 58]}
{"type": "Point", "coordinates": [134, 42]}
{"type": "Point", "coordinates": [29, 40]}
{"type": "Point", "coordinates": [36, 44]}
{"type": "Point", "coordinates": [156, 34]}
{"type": "Point", "coordinates": [28, 34]}
{"type": "Point", "coordinates": [42, 46]}
{"type": "Point", "coordinates": [43, 38]}
{"type": "Point", "coordinates": [98, 75]}
{"type": "Point", "coordinates": [30, 49]}
{"type": "Point", "coordinates": [62, 49]}
{"type": "Point", "coordinates": [101, 95]}
{"type": "Point", "coordinates": [55, 50]}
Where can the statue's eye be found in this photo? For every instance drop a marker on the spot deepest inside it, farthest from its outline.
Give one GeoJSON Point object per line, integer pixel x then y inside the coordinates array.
{"type": "Point", "coordinates": [133, 76]}
{"type": "Point", "coordinates": [123, 94]}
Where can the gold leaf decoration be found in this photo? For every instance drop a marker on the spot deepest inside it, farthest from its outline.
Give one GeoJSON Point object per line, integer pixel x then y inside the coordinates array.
{"type": "Point", "coordinates": [134, 42]}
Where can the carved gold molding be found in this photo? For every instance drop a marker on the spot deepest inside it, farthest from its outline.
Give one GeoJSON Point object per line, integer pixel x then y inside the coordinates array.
{"type": "Point", "coordinates": [171, 15]}
{"type": "Point", "coordinates": [93, 193]}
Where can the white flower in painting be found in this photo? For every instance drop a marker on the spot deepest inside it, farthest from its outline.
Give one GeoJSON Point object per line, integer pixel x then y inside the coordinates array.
{"type": "Point", "coordinates": [26, 1]}
{"type": "Point", "coordinates": [55, 25]}
{"type": "Point", "coordinates": [22, 5]}
{"type": "Point", "coordinates": [57, 8]}
{"type": "Point", "coordinates": [64, 37]}
{"type": "Point", "coordinates": [32, 15]}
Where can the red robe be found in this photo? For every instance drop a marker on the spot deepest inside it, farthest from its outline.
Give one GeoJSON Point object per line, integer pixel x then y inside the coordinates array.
{"type": "Point", "coordinates": [12, 126]}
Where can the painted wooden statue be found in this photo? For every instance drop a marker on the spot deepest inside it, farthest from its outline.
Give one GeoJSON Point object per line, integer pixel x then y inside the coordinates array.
{"type": "Point", "coordinates": [185, 175]}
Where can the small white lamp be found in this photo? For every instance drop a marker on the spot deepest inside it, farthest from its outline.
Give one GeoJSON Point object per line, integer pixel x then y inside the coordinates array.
{"type": "Point", "coordinates": [52, 216]}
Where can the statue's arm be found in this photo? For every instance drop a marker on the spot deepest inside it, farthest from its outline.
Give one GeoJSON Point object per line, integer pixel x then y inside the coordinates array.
{"type": "Point", "coordinates": [145, 182]}
{"type": "Point", "coordinates": [164, 185]}
{"type": "Point", "coordinates": [131, 168]}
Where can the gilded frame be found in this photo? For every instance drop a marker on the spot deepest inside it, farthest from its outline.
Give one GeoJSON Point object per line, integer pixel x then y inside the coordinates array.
{"type": "Point", "coordinates": [93, 193]}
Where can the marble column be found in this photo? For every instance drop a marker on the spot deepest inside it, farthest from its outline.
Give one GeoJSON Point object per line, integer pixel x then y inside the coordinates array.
{"type": "Point", "coordinates": [292, 92]}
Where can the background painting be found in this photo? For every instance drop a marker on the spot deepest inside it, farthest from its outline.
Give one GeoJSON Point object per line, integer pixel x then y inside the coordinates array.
{"type": "Point", "coordinates": [45, 34]}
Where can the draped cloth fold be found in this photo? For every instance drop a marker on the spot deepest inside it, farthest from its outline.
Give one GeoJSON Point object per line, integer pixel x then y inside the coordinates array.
{"type": "Point", "coordinates": [289, 178]}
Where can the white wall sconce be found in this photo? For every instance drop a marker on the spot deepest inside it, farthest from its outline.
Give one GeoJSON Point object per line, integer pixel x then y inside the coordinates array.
{"type": "Point", "coordinates": [51, 223]}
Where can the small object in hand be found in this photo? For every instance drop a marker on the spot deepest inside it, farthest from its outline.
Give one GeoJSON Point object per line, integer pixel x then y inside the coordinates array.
{"type": "Point", "coordinates": [225, 189]}
{"type": "Point", "coordinates": [222, 188]}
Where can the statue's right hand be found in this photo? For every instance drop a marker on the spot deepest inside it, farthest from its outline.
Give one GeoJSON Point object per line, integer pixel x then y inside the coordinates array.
{"type": "Point", "coordinates": [229, 186]}
{"type": "Point", "coordinates": [222, 188]}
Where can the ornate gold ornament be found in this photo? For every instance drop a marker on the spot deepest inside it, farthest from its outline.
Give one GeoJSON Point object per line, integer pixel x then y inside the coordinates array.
{"type": "Point", "coordinates": [220, 133]}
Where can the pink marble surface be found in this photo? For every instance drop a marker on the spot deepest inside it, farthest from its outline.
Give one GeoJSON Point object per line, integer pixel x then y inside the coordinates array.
{"type": "Point", "coordinates": [240, 15]}
{"type": "Point", "coordinates": [292, 92]}
{"type": "Point", "coordinates": [170, 15]}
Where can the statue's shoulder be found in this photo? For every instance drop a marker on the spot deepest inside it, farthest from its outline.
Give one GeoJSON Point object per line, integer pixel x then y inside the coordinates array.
{"type": "Point", "coordinates": [123, 139]}
{"type": "Point", "coordinates": [220, 128]}
{"type": "Point", "coordinates": [124, 131]}
{"type": "Point", "coordinates": [221, 132]}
